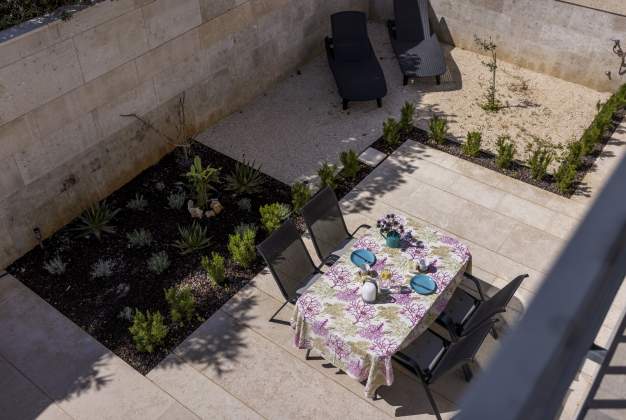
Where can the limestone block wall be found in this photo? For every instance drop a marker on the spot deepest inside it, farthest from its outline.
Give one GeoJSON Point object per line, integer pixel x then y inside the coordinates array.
{"type": "Point", "coordinates": [63, 143]}
{"type": "Point", "coordinates": [561, 39]}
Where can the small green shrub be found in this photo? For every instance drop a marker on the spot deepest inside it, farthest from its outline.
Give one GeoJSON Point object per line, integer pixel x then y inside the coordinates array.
{"type": "Point", "coordinates": [138, 203]}
{"type": "Point", "coordinates": [300, 195]}
{"type": "Point", "coordinates": [96, 220]}
{"type": "Point", "coordinates": [244, 204]}
{"type": "Point", "coordinates": [492, 103]}
{"type": "Point", "coordinates": [603, 120]}
{"type": "Point", "coordinates": [351, 165]}
{"type": "Point", "coordinates": [471, 147]}
{"type": "Point", "coordinates": [406, 116]}
{"type": "Point", "coordinates": [192, 238]}
{"type": "Point", "coordinates": [273, 215]}
{"type": "Point", "coordinates": [214, 267]}
{"type": "Point", "coordinates": [102, 268]}
{"type": "Point", "coordinates": [55, 266]}
{"type": "Point", "coordinates": [328, 175]}
{"type": "Point", "coordinates": [159, 262]}
{"type": "Point", "coordinates": [574, 153]}
{"type": "Point", "coordinates": [242, 227]}
{"type": "Point", "coordinates": [505, 152]}
{"type": "Point", "coordinates": [540, 156]}
{"type": "Point", "coordinates": [176, 200]}
{"type": "Point", "coordinates": [245, 178]}
{"type": "Point", "coordinates": [139, 238]}
{"type": "Point", "coordinates": [182, 304]}
{"type": "Point", "coordinates": [565, 176]}
{"type": "Point", "coordinates": [437, 129]}
{"type": "Point", "coordinates": [201, 180]}
{"type": "Point", "coordinates": [241, 247]}
{"type": "Point", "coordinates": [391, 132]}
{"type": "Point", "coordinates": [148, 330]}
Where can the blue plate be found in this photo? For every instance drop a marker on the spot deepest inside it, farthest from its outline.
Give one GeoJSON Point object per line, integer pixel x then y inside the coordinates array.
{"type": "Point", "coordinates": [360, 257]}
{"type": "Point", "coordinates": [423, 284]}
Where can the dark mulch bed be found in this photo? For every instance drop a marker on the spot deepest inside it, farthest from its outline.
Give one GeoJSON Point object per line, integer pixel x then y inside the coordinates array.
{"type": "Point", "coordinates": [95, 304]}
{"type": "Point", "coordinates": [517, 170]}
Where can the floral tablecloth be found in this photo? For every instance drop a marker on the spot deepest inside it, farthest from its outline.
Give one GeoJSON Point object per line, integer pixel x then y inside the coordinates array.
{"type": "Point", "coordinates": [360, 338]}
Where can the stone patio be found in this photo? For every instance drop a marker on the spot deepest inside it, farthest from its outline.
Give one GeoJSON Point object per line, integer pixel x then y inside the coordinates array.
{"type": "Point", "coordinates": [238, 365]}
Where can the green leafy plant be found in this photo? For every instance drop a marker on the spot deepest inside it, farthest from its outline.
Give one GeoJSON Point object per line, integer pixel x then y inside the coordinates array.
{"type": "Point", "coordinates": [158, 262]}
{"type": "Point", "coordinates": [138, 203]}
{"type": "Point", "coordinates": [328, 175]}
{"type": "Point", "coordinates": [242, 227]}
{"type": "Point", "coordinates": [391, 133]}
{"type": "Point", "coordinates": [245, 178]}
{"type": "Point", "coordinates": [202, 180]}
{"type": "Point", "coordinates": [102, 268]}
{"type": "Point", "coordinates": [182, 304]}
{"type": "Point", "coordinates": [492, 104]}
{"type": "Point", "coordinates": [55, 266]}
{"type": "Point", "coordinates": [351, 165]}
{"type": "Point", "coordinates": [471, 147]}
{"type": "Point", "coordinates": [241, 247]}
{"type": "Point", "coordinates": [96, 220]}
{"type": "Point", "coordinates": [505, 152]}
{"type": "Point", "coordinates": [139, 238]}
{"type": "Point", "coordinates": [273, 215]}
{"type": "Point", "coordinates": [176, 200]}
{"type": "Point", "coordinates": [603, 120]}
{"type": "Point", "coordinates": [437, 129]}
{"type": "Point", "coordinates": [192, 238]}
{"type": "Point", "coordinates": [215, 267]}
{"type": "Point", "coordinates": [574, 153]}
{"type": "Point", "coordinates": [565, 176]}
{"type": "Point", "coordinates": [148, 330]}
{"type": "Point", "coordinates": [406, 116]}
{"type": "Point", "coordinates": [300, 195]}
{"type": "Point", "coordinates": [244, 204]}
{"type": "Point", "coordinates": [540, 156]}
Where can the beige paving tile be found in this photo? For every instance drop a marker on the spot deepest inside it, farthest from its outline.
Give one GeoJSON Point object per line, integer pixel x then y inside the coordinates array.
{"type": "Point", "coordinates": [275, 384]}
{"type": "Point", "coordinates": [197, 392]}
{"type": "Point", "coordinates": [533, 247]}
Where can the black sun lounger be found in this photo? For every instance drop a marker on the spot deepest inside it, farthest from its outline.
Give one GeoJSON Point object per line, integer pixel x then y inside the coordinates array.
{"type": "Point", "coordinates": [352, 59]}
{"type": "Point", "coordinates": [416, 47]}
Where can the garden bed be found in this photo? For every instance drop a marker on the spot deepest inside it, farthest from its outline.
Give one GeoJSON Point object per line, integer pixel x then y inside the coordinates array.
{"type": "Point", "coordinates": [97, 304]}
{"type": "Point", "coordinates": [517, 169]}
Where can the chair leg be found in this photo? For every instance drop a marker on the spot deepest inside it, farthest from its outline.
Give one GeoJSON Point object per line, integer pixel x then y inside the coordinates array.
{"type": "Point", "coordinates": [379, 102]}
{"type": "Point", "coordinates": [467, 372]}
{"type": "Point", "coordinates": [494, 333]}
{"type": "Point", "coordinates": [438, 79]}
{"type": "Point", "coordinates": [405, 80]}
{"type": "Point", "coordinates": [278, 321]}
{"type": "Point", "coordinates": [308, 354]}
{"type": "Point", "coordinates": [431, 399]}
{"type": "Point", "coordinates": [345, 104]}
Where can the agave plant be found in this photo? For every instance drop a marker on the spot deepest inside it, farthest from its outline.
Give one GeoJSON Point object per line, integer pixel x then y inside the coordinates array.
{"type": "Point", "coordinates": [245, 178]}
{"type": "Point", "coordinates": [202, 179]}
{"type": "Point", "coordinates": [192, 238]}
{"type": "Point", "coordinates": [96, 220]}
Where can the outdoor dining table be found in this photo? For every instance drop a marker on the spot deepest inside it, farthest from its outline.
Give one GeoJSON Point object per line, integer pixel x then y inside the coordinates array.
{"type": "Point", "coordinates": [360, 338]}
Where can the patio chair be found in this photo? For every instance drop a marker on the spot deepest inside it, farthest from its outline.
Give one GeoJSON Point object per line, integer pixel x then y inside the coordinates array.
{"type": "Point", "coordinates": [431, 356]}
{"type": "Point", "coordinates": [417, 48]}
{"type": "Point", "coordinates": [352, 60]}
{"type": "Point", "coordinates": [289, 262]}
{"type": "Point", "coordinates": [465, 312]}
{"type": "Point", "coordinates": [324, 220]}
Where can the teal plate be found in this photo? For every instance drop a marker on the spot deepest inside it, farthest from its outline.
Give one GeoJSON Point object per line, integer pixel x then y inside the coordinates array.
{"type": "Point", "coordinates": [360, 257]}
{"type": "Point", "coordinates": [423, 284]}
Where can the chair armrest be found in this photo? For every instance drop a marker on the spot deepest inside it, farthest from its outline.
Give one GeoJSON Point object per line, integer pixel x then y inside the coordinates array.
{"type": "Point", "coordinates": [391, 25]}
{"type": "Point", "coordinates": [363, 226]}
{"type": "Point", "coordinates": [330, 50]}
{"type": "Point", "coordinates": [477, 283]}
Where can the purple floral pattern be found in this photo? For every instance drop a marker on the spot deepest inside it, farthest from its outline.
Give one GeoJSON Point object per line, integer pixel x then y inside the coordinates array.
{"type": "Point", "coordinates": [360, 338]}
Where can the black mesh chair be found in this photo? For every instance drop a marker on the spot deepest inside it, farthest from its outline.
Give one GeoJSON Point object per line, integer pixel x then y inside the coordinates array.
{"type": "Point", "coordinates": [289, 262]}
{"type": "Point", "coordinates": [465, 312]}
{"type": "Point", "coordinates": [325, 222]}
{"type": "Point", "coordinates": [431, 356]}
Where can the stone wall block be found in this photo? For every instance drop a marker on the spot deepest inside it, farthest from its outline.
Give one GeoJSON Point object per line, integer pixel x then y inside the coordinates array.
{"type": "Point", "coordinates": [14, 137]}
{"type": "Point", "coordinates": [166, 19]}
{"type": "Point", "coordinates": [166, 55]}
